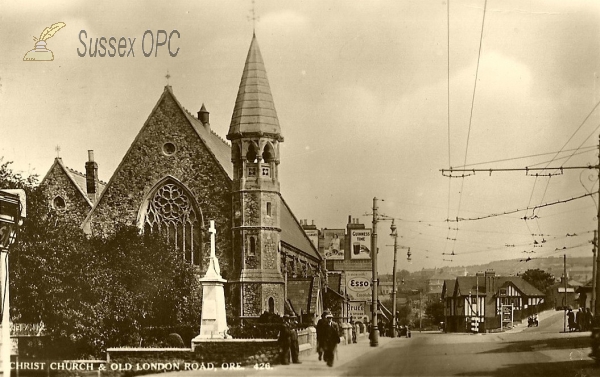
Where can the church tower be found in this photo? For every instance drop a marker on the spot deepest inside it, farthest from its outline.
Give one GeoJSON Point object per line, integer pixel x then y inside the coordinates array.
{"type": "Point", "coordinates": [255, 135]}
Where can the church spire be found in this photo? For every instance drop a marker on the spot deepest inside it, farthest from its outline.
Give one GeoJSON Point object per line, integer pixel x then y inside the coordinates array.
{"type": "Point", "coordinates": [254, 110]}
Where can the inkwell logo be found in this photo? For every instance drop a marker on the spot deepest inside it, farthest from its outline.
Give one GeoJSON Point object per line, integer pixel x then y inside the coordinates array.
{"type": "Point", "coordinates": [40, 52]}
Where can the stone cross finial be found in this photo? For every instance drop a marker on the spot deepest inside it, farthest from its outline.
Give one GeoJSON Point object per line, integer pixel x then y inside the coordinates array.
{"type": "Point", "coordinates": [213, 232]}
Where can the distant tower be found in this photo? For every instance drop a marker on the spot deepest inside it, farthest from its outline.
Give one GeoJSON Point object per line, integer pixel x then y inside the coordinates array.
{"type": "Point", "coordinates": [255, 136]}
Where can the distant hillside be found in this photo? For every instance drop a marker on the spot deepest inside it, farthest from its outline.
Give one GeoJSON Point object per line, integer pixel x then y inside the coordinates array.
{"type": "Point", "coordinates": [578, 268]}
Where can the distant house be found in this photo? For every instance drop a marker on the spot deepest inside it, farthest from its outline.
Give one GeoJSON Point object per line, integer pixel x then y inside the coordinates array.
{"type": "Point", "coordinates": [557, 298]}
{"type": "Point", "coordinates": [486, 302]}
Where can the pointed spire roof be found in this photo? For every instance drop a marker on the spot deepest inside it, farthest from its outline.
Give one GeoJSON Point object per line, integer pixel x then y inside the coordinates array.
{"type": "Point", "coordinates": [254, 110]}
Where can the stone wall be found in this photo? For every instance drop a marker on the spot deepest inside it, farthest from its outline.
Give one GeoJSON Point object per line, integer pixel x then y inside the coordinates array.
{"type": "Point", "coordinates": [191, 163]}
{"type": "Point", "coordinates": [57, 183]}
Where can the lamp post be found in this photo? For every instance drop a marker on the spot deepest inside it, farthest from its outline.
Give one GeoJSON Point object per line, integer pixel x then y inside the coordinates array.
{"type": "Point", "coordinates": [374, 338]}
{"type": "Point", "coordinates": [12, 209]}
{"type": "Point", "coordinates": [394, 319]}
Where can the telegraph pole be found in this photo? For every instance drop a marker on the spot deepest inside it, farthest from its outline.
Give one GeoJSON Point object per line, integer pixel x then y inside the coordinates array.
{"type": "Point", "coordinates": [374, 300]}
{"type": "Point", "coordinates": [565, 284]}
{"type": "Point", "coordinates": [596, 308]}
{"type": "Point", "coordinates": [594, 272]}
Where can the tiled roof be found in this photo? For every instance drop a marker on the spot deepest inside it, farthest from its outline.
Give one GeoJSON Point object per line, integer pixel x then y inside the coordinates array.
{"type": "Point", "coordinates": [80, 180]}
{"type": "Point", "coordinates": [448, 288]}
{"type": "Point", "coordinates": [254, 109]}
{"type": "Point", "coordinates": [523, 286]}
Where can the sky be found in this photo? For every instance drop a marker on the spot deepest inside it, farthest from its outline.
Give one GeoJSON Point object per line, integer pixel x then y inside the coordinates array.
{"type": "Point", "coordinates": [374, 98]}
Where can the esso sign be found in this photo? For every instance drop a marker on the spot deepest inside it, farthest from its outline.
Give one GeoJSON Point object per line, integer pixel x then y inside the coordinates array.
{"type": "Point", "coordinates": [359, 284]}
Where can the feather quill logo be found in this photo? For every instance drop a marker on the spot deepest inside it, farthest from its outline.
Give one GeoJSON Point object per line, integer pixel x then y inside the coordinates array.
{"type": "Point", "coordinates": [40, 52]}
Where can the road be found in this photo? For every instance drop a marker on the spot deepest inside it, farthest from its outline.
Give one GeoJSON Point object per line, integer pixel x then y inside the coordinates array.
{"type": "Point", "coordinates": [538, 351]}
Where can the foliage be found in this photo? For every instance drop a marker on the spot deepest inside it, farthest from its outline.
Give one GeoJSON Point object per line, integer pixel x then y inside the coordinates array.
{"type": "Point", "coordinates": [91, 293]}
{"type": "Point", "coordinates": [435, 311]}
{"type": "Point", "coordinates": [540, 279]}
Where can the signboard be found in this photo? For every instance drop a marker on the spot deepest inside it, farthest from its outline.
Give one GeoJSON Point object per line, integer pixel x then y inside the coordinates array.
{"type": "Point", "coordinates": [313, 236]}
{"type": "Point", "coordinates": [334, 243]}
{"type": "Point", "coordinates": [356, 310]}
{"type": "Point", "coordinates": [569, 290]}
{"type": "Point", "coordinates": [358, 285]}
{"type": "Point", "coordinates": [360, 244]}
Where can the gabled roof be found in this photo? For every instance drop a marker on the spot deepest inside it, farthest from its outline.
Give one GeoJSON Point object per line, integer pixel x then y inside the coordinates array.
{"type": "Point", "coordinates": [448, 288]}
{"type": "Point", "coordinates": [73, 176]}
{"type": "Point", "coordinates": [470, 285]}
{"type": "Point", "coordinates": [254, 109]}
{"type": "Point", "coordinates": [521, 285]}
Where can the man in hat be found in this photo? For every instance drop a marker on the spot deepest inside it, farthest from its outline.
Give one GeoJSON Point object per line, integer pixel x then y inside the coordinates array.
{"type": "Point", "coordinates": [320, 330]}
{"type": "Point", "coordinates": [330, 339]}
{"type": "Point", "coordinates": [294, 346]}
{"type": "Point", "coordinates": [285, 340]}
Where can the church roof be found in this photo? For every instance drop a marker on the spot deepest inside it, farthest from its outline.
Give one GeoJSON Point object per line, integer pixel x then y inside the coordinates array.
{"type": "Point", "coordinates": [254, 109]}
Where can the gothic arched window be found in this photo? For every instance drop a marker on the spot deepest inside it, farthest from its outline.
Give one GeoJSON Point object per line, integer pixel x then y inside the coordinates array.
{"type": "Point", "coordinates": [171, 211]}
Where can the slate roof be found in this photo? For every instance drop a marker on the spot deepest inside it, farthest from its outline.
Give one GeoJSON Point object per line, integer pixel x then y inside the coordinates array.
{"type": "Point", "coordinates": [299, 294]}
{"type": "Point", "coordinates": [80, 180]}
{"type": "Point", "coordinates": [77, 178]}
{"type": "Point", "coordinates": [254, 105]}
{"type": "Point", "coordinates": [254, 109]}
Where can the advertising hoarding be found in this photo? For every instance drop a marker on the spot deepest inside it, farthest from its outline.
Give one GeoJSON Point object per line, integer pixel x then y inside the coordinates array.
{"type": "Point", "coordinates": [313, 236]}
{"type": "Point", "coordinates": [357, 310]}
{"type": "Point", "coordinates": [360, 244]}
{"type": "Point", "coordinates": [334, 243]}
{"type": "Point", "coordinates": [358, 285]}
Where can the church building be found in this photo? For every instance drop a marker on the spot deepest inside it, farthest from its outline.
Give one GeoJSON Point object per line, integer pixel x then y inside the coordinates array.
{"type": "Point", "coordinates": [178, 175]}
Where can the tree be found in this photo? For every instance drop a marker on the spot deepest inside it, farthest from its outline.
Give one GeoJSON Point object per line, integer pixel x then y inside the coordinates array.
{"type": "Point", "coordinates": [539, 279]}
{"type": "Point", "coordinates": [435, 311]}
{"type": "Point", "coordinates": [95, 293]}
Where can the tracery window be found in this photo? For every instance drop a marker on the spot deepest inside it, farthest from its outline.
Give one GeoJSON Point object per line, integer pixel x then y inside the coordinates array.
{"type": "Point", "coordinates": [171, 211]}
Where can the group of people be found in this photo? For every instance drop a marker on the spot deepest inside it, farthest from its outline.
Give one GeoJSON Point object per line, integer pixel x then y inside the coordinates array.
{"type": "Point", "coordinates": [580, 321]}
{"type": "Point", "coordinates": [288, 341]}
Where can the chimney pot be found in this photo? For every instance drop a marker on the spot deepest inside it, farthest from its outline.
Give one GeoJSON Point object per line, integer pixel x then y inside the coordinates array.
{"type": "Point", "coordinates": [91, 176]}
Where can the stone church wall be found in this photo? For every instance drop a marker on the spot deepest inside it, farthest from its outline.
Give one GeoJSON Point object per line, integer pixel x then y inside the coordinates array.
{"type": "Point", "coordinates": [57, 183]}
{"type": "Point", "coordinates": [147, 163]}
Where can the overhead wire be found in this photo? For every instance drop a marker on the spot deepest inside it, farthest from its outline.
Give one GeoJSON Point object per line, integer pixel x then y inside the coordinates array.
{"type": "Point", "coordinates": [471, 116]}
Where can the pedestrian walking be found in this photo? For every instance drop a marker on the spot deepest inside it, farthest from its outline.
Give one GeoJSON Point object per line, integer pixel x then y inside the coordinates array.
{"type": "Point", "coordinates": [331, 338]}
{"type": "Point", "coordinates": [571, 320]}
{"type": "Point", "coordinates": [320, 330]}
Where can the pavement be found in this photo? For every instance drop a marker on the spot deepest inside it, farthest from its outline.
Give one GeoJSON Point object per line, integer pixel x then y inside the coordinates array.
{"type": "Point", "coordinates": [310, 365]}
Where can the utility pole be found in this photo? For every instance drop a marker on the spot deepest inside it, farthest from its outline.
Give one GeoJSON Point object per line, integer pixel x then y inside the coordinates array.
{"type": "Point", "coordinates": [596, 308]}
{"type": "Point", "coordinates": [565, 284]}
{"type": "Point", "coordinates": [594, 272]}
{"type": "Point", "coordinates": [374, 301]}
{"type": "Point", "coordinates": [394, 286]}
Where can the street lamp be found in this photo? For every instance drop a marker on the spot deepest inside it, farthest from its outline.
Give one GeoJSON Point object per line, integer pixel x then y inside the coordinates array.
{"type": "Point", "coordinates": [12, 210]}
{"type": "Point", "coordinates": [374, 336]}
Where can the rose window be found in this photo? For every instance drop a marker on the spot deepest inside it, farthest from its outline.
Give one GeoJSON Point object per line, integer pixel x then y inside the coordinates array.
{"type": "Point", "coordinates": [170, 211]}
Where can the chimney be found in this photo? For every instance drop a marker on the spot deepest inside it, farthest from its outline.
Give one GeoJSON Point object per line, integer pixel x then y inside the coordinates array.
{"type": "Point", "coordinates": [490, 282]}
{"type": "Point", "coordinates": [203, 116]}
{"type": "Point", "coordinates": [91, 175]}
